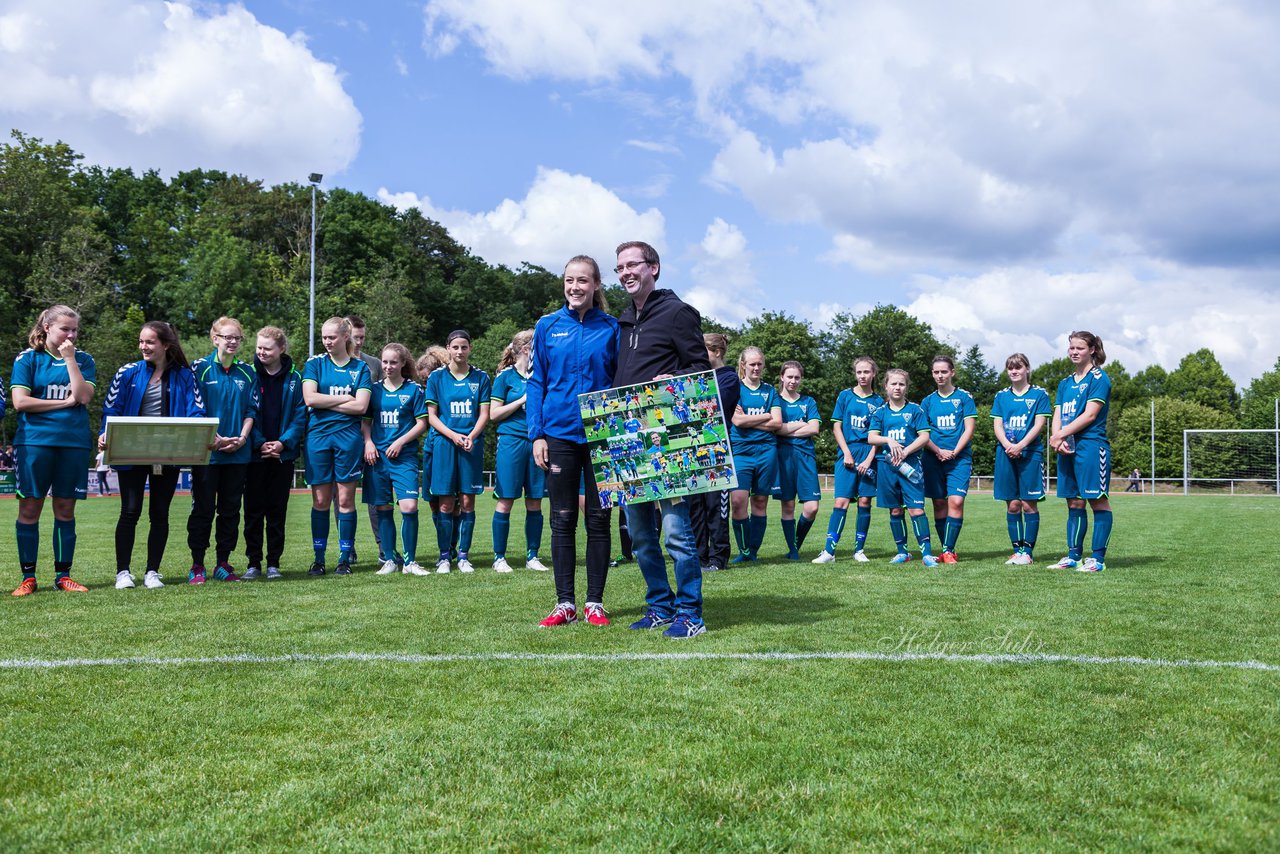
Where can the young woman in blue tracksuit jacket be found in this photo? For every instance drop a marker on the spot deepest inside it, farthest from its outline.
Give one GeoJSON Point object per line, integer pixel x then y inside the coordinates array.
{"type": "Point", "coordinates": [161, 385]}
{"type": "Point", "coordinates": [575, 351]}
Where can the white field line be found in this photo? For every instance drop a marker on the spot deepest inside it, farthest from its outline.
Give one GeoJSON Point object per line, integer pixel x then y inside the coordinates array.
{"type": "Point", "coordinates": [608, 658]}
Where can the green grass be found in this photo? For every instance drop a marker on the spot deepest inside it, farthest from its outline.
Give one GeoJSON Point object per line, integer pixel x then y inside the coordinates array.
{"type": "Point", "coordinates": [613, 753]}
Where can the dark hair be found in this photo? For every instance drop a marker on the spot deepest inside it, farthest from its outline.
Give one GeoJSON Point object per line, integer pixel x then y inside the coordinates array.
{"type": "Point", "coordinates": [598, 299]}
{"type": "Point", "coordinates": [648, 252]}
{"type": "Point", "coordinates": [943, 357]}
{"type": "Point", "coordinates": [875, 369]}
{"type": "Point", "coordinates": [1094, 343]}
{"type": "Point", "coordinates": [357, 322]}
{"type": "Point", "coordinates": [788, 365]}
{"type": "Point", "coordinates": [1017, 360]}
{"type": "Point", "coordinates": [455, 334]}
{"type": "Point", "coordinates": [168, 338]}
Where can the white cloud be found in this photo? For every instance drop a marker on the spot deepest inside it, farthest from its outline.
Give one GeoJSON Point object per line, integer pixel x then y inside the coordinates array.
{"type": "Point", "coordinates": [654, 146]}
{"type": "Point", "coordinates": [724, 285]}
{"type": "Point", "coordinates": [561, 215]}
{"type": "Point", "coordinates": [174, 86]}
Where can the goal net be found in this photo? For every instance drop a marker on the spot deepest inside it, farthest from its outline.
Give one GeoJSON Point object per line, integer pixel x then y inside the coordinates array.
{"type": "Point", "coordinates": [1235, 462]}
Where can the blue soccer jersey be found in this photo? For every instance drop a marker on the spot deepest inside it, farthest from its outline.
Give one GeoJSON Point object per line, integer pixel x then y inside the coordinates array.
{"type": "Point", "coordinates": [803, 409]}
{"type": "Point", "coordinates": [393, 412]}
{"type": "Point", "coordinates": [903, 425]}
{"type": "Point", "coordinates": [458, 400]}
{"type": "Point", "coordinates": [231, 395]}
{"type": "Point", "coordinates": [331, 378]}
{"type": "Point", "coordinates": [1073, 396]}
{"type": "Point", "coordinates": [947, 418]}
{"type": "Point", "coordinates": [45, 377]}
{"type": "Point", "coordinates": [754, 401]}
{"type": "Point", "coordinates": [853, 412]}
{"type": "Point", "coordinates": [509, 385]}
{"type": "Point", "coordinates": [1019, 411]}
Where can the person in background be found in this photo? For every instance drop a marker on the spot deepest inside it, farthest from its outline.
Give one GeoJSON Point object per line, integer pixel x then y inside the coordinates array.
{"type": "Point", "coordinates": [517, 471]}
{"type": "Point", "coordinates": [1135, 481]}
{"type": "Point", "coordinates": [359, 332]}
{"type": "Point", "coordinates": [100, 471]}
{"type": "Point", "coordinates": [709, 511]}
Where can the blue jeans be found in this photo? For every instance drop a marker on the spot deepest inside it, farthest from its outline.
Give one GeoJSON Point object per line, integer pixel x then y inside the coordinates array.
{"type": "Point", "coordinates": [683, 546]}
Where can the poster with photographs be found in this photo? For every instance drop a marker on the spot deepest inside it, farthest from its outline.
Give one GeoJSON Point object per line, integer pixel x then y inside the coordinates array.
{"type": "Point", "coordinates": [661, 439]}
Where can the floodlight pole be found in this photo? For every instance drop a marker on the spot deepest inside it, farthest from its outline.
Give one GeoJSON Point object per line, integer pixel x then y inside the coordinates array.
{"type": "Point", "coordinates": [1153, 446]}
{"type": "Point", "coordinates": [315, 178]}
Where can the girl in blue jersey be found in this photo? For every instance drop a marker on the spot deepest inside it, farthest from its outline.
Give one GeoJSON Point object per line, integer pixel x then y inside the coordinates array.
{"type": "Point", "coordinates": [230, 390]}
{"type": "Point", "coordinates": [900, 427]}
{"type": "Point", "coordinates": [434, 357]}
{"type": "Point", "coordinates": [160, 385]}
{"type": "Point", "coordinates": [337, 386]}
{"type": "Point", "coordinates": [1079, 435]}
{"type": "Point", "coordinates": [1018, 416]}
{"type": "Point", "coordinates": [51, 387]}
{"type": "Point", "coordinates": [948, 458]}
{"type": "Point", "coordinates": [458, 407]}
{"type": "Point", "coordinates": [516, 471]}
{"type": "Point", "coordinates": [755, 451]}
{"type": "Point", "coordinates": [797, 462]}
{"type": "Point", "coordinates": [397, 416]}
{"type": "Point", "coordinates": [855, 467]}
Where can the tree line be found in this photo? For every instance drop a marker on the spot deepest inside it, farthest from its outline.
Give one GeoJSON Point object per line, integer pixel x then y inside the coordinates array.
{"type": "Point", "coordinates": [122, 248]}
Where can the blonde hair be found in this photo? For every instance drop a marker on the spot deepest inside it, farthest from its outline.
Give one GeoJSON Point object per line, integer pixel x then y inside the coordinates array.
{"type": "Point", "coordinates": [40, 332]}
{"type": "Point", "coordinates": [788, 365]}
{"type": "Point", "coordinates": [742, 359]}
{"type": "Point", "coordinates": [512, 351]}
{"type": "Point", "coordinates": [408, 370]}
{"type": "Point", "coordinates": [225, 321]}
{"type": "Point", "coordinates": [434, 357]}
{"type": "Point", "coordinates": [276, 334]}
{"type": "Point", "coordinates": [345, 325]}
{"type": "Point", "coordinates": [858, 360]}
{"type": "Point", "coordinates": [897, 372]}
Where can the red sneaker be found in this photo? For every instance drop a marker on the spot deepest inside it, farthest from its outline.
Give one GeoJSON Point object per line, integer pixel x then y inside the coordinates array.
{"type": "Point", "coordinates": [196, 575]}
{"type": "Point", "coordinates": [949, 557]}
{"type": "Point", "coordinates": [596, 614]}
{"type": "Point", "coordinates": [26, 588]}
{"type": "Point", "coordinates": [69, 585]}
{"type": "Point", "coordinates": [563, 614]}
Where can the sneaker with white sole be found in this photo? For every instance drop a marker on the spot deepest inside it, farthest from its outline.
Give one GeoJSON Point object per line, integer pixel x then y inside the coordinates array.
{"type": "Point", "coordinates": [901, 557]}
{"type": "Point", "coordinates": [251, 574]}
{"type": "Point", "coordinates": [930, 561]}
{"type": "Point", "coordinates": [824, 556]}
{"type": "Point", "coordinates": [1013, 559]}
{"type": "Point", "coordinates": [464, 565]}
{"type": "Point", "coordinates": [151, 580]}
{"type": "Point", "coordinates": [124, 580]}
{"type": "Point", "coordinates": [684, 627]}
{"type": "Point", "coordinates": [536, 565]}
{"type": "Point", "coordinates": [388, 567]}
{"type": "Point", "coordinates": [273, 572]}
{"type": "Point", "coordinates": [861, 557]}
{"type": "Point", "coordinates": [1022, 559]}
{"type": "Point", "coordinates": [1067, 562]}
{"type": "Point", "coordinates": [562, 615]}
{"type": "Point", "coordinates": [1091, 564]}
{"type": "Point", "coordinates": [414, 568]}
{"type": "Point", "coordinates": [501, 565]}
{"type": "Point", "coordinates": [596, 614]}
{"type": "Point", "coordinates": [442, 568]}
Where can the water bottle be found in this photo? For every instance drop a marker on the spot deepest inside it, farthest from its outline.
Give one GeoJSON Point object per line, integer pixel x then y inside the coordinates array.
{"type": "Point", "coordinates": [1068, 445]}
{"type": "Point", "coordinates": [909, 471]}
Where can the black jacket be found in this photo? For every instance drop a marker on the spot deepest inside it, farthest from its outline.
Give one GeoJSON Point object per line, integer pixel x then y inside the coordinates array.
{"type": "Point", "coordinates": [665, 338]}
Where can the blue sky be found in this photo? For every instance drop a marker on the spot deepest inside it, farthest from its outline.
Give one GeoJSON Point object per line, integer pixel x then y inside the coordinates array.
{"type": "Point", "coordinates": [1007, 171]}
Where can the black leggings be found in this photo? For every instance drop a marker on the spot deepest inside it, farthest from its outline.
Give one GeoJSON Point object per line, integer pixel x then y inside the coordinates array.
{"type": "Point", "coordinates": [133, 485]}
{"type": "Point", "coordinates": [215, 488]}
{"type": "Point", "coordinates": [569, 462]}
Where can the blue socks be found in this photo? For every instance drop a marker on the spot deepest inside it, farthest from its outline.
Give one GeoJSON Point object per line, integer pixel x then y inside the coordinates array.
{"type": "Point", "coordinates": [803, 524]}
{"type": "Point", "coordinates": [835, 527]}
{"type": "Point", "coordinates": [789, 534]}
{"type": "Point", "coordinates": [1077, 525]}
{"type": "Point", "coordinates": [501, 533]}
{"type": "Point", "coordinates": [466, 528]}
{"type": "Point", "coordinates": [1101, 534]}
{"type": "Point", "coordinates": [387, 534]}
{"type": "Point", "coordinates": [28, 547]}
{"type": "Point", "coordinates": [951, 533]}
{"type": "Point", "coordinates": [444, 534]}
{"type": "Point", "coordinates": [740, 534]}
{"type": "Point", "coordinates": [1030, 530]}
{"type": "Point", "coordinates": [1013, 524]}
{"type": "Point", "coordinates": [533, 533]}
{"type": "Point", "coordinates": [409, 533]}
{"type": "Point", "coordinates": [755, 533]}
{"type": "Point", "coordinates": [863, 527]}
{"type": "Point", "coordinates": [319, 533]}
{"type": "Point", "coordinates": [64, 545]}
{"type": "Point", "coordinates": [346, 535]}
{"type": "Point", "coordinates": [920, 525]}
{"type": "Point", "coordinates": [898, 527]}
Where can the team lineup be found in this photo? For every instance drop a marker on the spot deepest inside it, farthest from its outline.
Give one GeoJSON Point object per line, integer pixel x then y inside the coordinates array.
{"type": "Point", "coordinates": [591, 412]}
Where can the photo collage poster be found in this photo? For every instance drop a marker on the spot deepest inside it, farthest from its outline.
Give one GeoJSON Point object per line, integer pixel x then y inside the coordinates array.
{"type": "Point", "coordinates": [660, 439]}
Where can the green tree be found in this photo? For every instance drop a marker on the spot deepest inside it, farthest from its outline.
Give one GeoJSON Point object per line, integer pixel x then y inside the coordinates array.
{"type": "Point", "coordinates": [977, 377]}
{"type": "Point", "coordinates": [1131, 435]}
{"type": "Point", "coordinates": [1258, 405]}
{"type": "Point", "coordinates": [889, 335]}
{"type": "Point", "coordinates": [1199, 378]}
{"type": "Point", "coordinates": [1150, 381]}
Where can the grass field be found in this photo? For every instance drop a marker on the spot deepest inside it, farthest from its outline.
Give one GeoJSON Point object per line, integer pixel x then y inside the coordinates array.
{"type": "Point", "coordinates": [475, 729]}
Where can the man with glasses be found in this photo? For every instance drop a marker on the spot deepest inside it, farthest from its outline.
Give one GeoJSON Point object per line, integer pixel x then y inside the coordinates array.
{"type": "Point", "coordinates": [660, 336]}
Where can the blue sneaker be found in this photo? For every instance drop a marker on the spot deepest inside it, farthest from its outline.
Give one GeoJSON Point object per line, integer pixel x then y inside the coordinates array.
{"type": "Point", "coordinates": [651, 620]}
{"type": "Point", "coordinates": [685, 627]}
{"type": "Point", "coordinates": [1091, 565]}
{"type": "Point", "coordinates": [743, 557]}
{"type": "Point", "coordinates": [929, 560]}
{"type": "Point", "coordinates": [900, 557]}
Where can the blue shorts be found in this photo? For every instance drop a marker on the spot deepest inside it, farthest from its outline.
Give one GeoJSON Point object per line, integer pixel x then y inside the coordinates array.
{"type": "Point", "coordinates": [455, 471]}
{"type": "Point", "coordinates": [334, 459]}
{"type": "Point", "coordinates": [757, 470]}
{"type": "Point", "coordinates": [943, 479]}
{"type": "Point", "coordinates": [1086, 473]}
{"type": "Point", "coordinates": [894, 490]}
{"type": "Point", "coordinates": [40, 468]}
{"type": "Point", "coordinates": [516, 471]}
{"type": "Point", "coordinates": [389, 481]}
{"type": "Point", "coordinates": [850, 484]}
{"type": "Point", "coordinates": [797, 475]}
{"type": "Point", "coordinates": [1020, 479]}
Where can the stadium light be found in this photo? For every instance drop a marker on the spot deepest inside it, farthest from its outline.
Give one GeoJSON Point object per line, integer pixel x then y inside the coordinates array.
{"type": "Point", "coordinates": [315, 178]}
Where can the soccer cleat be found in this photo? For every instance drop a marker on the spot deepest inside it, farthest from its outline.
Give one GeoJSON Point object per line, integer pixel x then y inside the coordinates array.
{"type": "Point", "coordinates": [1013, 559]}
{"type": "Point", "coordinates": [273, 572]}
{"type": "Point", "coordinates": [684, 627]}
{"type": "Point", "coordinates": [596, 614]}
{"type": "Point", "coordinates": [151, 580]}
{"type": "Point", "coordinates": [224, 572]}
{"type": "Point", "coordinates": [793, 555]}
{"type": "Point", "coordinates": [196, 574]}
{"type": "Point", "coordinates": [252, 573]}
{"type": "Point", "coordinates": [949, 557]}
{"type": "Point", "coordinates": [743, 557]}
{"type": "Point", "coordinates": [442, 567]}
{"type": "Point", "coordinates": [1091, 565]}
{"type": "Point", "coordinates": [316, 570]}
{"type": "Point", "coordinates": [464, 565]}
{"type": "Point", "coordinates": [67, 584]}
{"type": "Point", "coordinates": [1022, 559]}
{"type": "Point", "coordinates": [388, 567]}
{"type": "Point", "coordinates": [343, 568]}
{"type": "Point", "coordinates": [929, 561]}
{"type": "Point", "coordinates": [26, 588]}
{"type": "Point", "coordinates": [561, 615]}
{"type": "Point", "coordinates": [1067, 562]}
{"type": "Point", "coordinates": [535, 564]}
{"type": "Point", "coordinates": [825, 556]}
{"type": "Point", "coordinates": [861, 557]}
{"type": "Point", "coordinates": [124, 580]}
{"type": "Point", "coordinates": [620, 559]}
{"type": "Point", "coordinates": [901, 557]}
{"type": "Point", "coordinates": [501, 565]}
{"type": "Point", "coordinates": [651, 620]}
{"type": "Point", "coordinates": [710, 567]}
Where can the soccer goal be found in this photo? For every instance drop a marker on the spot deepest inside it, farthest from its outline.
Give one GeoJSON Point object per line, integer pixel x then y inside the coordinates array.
{"type": "Point", "coordinates": [1232, 462]}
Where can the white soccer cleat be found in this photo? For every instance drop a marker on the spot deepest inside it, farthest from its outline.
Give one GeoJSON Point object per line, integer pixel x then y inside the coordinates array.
{"type": "Point", "coordinates": [536, 565]}
{"type": "Point", "coordinates": [861, 557]}
{"type": "Point", "coordinates": [388, 567]}
{"type": "Point", "coordinates": [464, 565]}
{"type": "Point", "coordinates": [152, 581]}
{"type": "Point", "coordinates": [1013, 559]}
{"type": "Point", "coordinates": [1023, 559]}
{"type": "Point", "coordinates": [124, 580]}
{"type": "Point", "coordinates": [824, 556]}
{"type": "Point", "coordinates": [413, 568]}
{"type": "Point", "coordinates": [442, 568]}
{"type": "Point", "coordinates": [501, 565]}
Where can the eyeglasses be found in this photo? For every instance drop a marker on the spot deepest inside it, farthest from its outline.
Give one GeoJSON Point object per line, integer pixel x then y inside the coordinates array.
{"type": "Point", "coordinates": [629, 267]}
{"type": "Point", "coordinates": [230, 339]}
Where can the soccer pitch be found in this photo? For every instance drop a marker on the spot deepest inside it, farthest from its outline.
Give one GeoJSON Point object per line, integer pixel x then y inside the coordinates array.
{"type": "Point", "coordinates": [828, 707]}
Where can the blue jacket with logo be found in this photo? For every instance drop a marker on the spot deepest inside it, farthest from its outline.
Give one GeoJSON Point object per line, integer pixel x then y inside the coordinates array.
{"type": "Point", "coordinates": [180, 395]}
{"type": "Point", "coordinates": [293, 414]}
{"type": "Point", "coordinates": [570, 357]}
{"type": "Point", "coordinates": [231, 396]}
